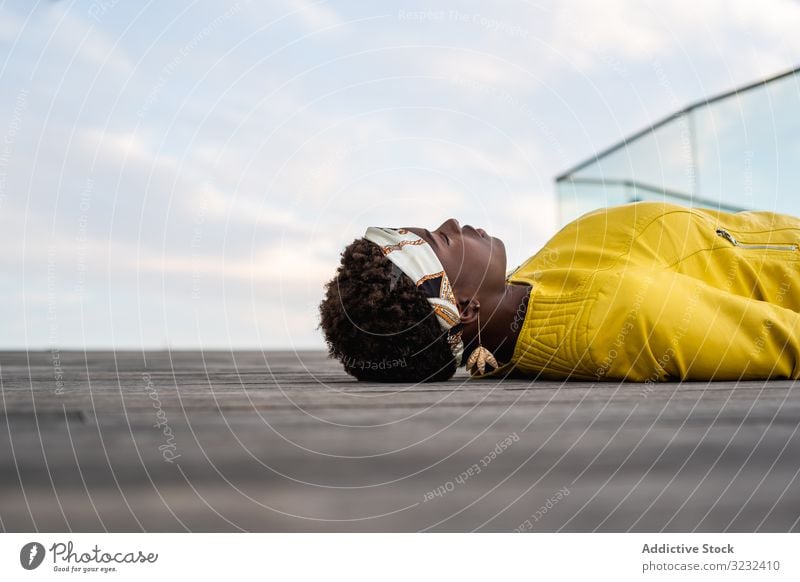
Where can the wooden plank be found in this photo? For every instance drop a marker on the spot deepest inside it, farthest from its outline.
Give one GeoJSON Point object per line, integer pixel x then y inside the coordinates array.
{"type": "Point", "coordinates": [284, 441]}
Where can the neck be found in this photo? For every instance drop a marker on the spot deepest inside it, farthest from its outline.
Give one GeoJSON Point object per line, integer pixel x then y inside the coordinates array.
{"type": "Point", "coordinates": [499, 334]}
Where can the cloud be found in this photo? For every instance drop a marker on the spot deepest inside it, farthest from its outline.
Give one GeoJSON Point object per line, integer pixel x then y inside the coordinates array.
{"type": "Point", "coordinates": [276, 264]}
{"type": "Point", "coordinates": [118, 145]}
{"type": "Point", "coordinates": [75, 36]}
{"type": "Point", "coordinates": [216, 206]}
{"type": "Point", "coordinates": [488, 69]}
{"type": "Point", "coordinates": [314, 16]}
{"type": "Point", "coordinates": [586, 30]}
{"type": "Point", "coordinates": [628, 31]}
{"type": "Point", "coordinates": [10, 26]}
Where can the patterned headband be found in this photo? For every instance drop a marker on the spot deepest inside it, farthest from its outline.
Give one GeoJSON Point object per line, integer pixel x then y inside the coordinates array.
{"type": "Point", "coordinates": [415, 257]}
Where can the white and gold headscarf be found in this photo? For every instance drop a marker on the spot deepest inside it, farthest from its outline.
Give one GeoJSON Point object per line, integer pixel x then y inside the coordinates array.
{"type": "Point", "coordinates": [416, 258]}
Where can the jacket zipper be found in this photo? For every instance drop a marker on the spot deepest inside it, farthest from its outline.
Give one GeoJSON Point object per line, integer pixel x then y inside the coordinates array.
{"type": "Point", "coordinates": [777, 247]}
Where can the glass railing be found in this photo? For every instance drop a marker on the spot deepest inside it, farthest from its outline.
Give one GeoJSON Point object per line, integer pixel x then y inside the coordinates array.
{"type": "Point", "coordinates": [736, 151]}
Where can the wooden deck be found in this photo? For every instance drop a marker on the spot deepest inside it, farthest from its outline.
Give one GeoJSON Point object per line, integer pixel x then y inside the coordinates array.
{"type": "Point", "coordinates": [275, 441]}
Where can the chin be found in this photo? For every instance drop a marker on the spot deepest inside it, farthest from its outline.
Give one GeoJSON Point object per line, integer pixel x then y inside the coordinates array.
{"type": "Point", "coordinates": [496, 242]}
{"type": "Point", "coordinates": [499, 250]}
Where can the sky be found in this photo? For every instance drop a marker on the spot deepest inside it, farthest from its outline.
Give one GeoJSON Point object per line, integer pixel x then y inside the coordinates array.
{"type": "Point", "coordinates": [185, 174]}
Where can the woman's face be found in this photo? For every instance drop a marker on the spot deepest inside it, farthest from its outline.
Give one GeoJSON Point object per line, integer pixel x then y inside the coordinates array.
{"type": "Point", "coordinates": [473, 260]}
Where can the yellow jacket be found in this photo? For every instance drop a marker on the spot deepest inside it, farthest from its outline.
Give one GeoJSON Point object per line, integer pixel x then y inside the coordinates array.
{"type": "Point", "coordinates": [652, 291]}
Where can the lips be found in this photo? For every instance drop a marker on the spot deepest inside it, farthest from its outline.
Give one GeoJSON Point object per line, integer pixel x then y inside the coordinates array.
{"type": "Point", "coordinates": [480, 231]}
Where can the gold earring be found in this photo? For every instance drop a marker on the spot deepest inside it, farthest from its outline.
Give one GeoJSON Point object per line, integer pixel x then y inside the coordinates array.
{"type": "Point", "coordinates": [480, 356]}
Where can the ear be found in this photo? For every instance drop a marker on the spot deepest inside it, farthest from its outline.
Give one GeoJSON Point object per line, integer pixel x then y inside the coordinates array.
{"type": "Point", "coordinates": [468, 309]}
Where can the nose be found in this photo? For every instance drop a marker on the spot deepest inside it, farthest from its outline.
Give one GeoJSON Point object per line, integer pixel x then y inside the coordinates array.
{"type": "Point", "coordinates": [451, 224]}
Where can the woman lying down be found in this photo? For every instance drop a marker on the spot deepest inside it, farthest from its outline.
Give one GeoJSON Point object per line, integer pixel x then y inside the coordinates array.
{"type": "Point", "coordinates": [646, 291]}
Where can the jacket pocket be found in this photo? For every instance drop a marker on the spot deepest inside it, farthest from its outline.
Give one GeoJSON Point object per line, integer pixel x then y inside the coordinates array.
{"type": "Point", "coordinates": [756, 245]}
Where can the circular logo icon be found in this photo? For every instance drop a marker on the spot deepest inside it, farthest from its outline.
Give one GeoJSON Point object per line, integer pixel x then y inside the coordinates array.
{"type": "Point", "coordinates": [31, 555]}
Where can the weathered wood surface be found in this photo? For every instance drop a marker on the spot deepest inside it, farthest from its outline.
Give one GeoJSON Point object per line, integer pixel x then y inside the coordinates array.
{"type": "Point", "coordinates": [287, 442]}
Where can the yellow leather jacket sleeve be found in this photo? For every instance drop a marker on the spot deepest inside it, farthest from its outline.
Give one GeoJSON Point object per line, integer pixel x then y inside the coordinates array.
{"type": "Point", "coordinates": [686, 329]}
